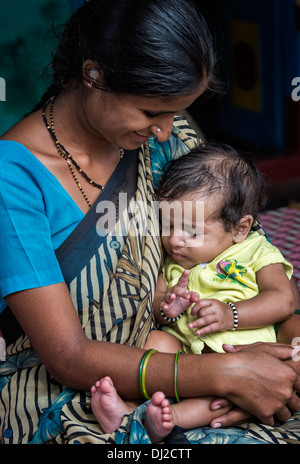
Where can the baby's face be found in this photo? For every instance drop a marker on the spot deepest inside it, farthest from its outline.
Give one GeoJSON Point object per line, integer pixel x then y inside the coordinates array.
{"type": "Point", "coordinates": [191, 234]}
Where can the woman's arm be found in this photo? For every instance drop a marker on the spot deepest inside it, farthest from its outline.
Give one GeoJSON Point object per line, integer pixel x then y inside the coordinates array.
{"type": "Point", "coordinates": [288, 333]}
{"type": "Point", "coordinates": [48, 317]}
{"type": "Point", "coordinates": [290, 329]}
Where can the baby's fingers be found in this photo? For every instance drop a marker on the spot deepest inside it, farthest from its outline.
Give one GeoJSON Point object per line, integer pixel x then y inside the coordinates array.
{"type": "Point", "coordinates": [177, 292]}
{"type": "Point", "coordinates": [207, 325]}
{"type": "Point", "coordinates": [200, 306]}
{"type": "Point", "coordinates": [183, 279]}
{"type": "Point", "coordinates": [169, 298]}
{"type": "Point", "coordinates": [194, 297]}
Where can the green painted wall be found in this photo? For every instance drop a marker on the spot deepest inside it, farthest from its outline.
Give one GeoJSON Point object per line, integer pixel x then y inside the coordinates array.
{"type": "Point", "coordinates": [26, 44]}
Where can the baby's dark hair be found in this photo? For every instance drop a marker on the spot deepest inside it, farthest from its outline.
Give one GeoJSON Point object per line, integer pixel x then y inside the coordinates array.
{"type": "Point", "coordinates": [217, 169]}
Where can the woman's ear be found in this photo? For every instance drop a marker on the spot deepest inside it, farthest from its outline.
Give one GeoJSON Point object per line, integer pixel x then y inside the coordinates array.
{"type": "Point", "coordinates": [92, 75]}
{"type": "Point", "coordinates": [240, 233]}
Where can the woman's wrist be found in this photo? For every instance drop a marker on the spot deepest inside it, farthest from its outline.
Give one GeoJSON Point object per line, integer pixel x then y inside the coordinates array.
{"type": "Point", "coordinates": [199, 375]}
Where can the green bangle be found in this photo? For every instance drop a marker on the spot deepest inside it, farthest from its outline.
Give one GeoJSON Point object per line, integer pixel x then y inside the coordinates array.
{"type": "Point", "coordinates": [142, 372]}
{"type": "Point", "coordinates": [175, 375]}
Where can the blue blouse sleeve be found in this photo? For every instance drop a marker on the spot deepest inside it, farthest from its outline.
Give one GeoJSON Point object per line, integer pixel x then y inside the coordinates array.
{"type": "Point", "coordinates": [27, 256]}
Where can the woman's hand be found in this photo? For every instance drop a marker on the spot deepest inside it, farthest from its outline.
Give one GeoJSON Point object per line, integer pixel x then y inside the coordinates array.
{"type": "Point", "coordinates": [238, 415]}
{"type": "Point", "coordinates": [234, 417]}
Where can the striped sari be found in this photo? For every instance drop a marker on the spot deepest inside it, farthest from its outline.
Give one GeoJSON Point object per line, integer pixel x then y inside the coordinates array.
{"type": "Point", "coordinates": [111, 274]}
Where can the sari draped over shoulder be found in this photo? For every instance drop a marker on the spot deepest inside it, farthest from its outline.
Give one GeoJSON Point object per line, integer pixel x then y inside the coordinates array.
{"type": "Point", "coordinates": [110, 264]}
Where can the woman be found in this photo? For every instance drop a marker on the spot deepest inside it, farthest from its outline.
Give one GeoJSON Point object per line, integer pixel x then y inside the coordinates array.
{"type": "Point", "coordinates": [78, 271]}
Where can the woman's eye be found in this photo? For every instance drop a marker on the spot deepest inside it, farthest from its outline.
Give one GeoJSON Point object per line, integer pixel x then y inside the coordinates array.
{"type": "Point", "coordinates": [150, 115]}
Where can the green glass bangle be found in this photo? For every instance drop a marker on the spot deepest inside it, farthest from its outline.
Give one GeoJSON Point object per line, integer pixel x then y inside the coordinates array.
{"type": "Point", "coordinates": [175, 375]}
{"type": "Point", "coordinates": [142, 372]}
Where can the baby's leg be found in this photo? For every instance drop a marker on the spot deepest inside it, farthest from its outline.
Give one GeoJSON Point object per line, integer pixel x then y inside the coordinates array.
{"type": "Point", "coordinates": [107, 406]}
{"type": "Point", "coordinates": [159, 419]}
{"type": "Point", "coordinates": [163, 342]}
{"type": "Point", "coordinates": [190, 413]}
{"type": "Point", "coordinates": [195, 412]}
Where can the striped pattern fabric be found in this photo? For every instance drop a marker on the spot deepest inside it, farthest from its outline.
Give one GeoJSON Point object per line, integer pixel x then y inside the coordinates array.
{"type": "Point", "coordinates": [34, 408]}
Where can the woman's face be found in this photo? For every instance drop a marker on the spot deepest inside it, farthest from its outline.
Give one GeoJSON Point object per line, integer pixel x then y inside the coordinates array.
{"type": "Point", "coordinates": [128, 120]}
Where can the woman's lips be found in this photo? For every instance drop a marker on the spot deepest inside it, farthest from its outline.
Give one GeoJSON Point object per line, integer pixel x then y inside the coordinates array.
{"type": "Point", "coordinates": [141, 137]}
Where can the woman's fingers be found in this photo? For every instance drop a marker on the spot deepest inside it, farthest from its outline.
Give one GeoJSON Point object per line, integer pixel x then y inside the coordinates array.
{"type": "Point", "coordinates": [232, 418]}
{"type": "Point", "coordinates": [280, 351]}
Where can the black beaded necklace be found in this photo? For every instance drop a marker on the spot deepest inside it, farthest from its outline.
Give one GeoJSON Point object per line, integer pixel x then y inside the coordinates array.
{"type": "Point", "coordinates": [66, 155]}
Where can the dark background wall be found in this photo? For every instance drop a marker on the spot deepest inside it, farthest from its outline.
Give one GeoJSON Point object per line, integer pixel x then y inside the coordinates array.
{"type": "Point", "coordinates": [26, 43]}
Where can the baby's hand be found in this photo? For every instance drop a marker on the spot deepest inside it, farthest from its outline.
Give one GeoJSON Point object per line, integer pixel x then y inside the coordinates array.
{"type": "Point", "coordinates": [213, 316]}
{"type": "Point", "coordinates": [178, 298]}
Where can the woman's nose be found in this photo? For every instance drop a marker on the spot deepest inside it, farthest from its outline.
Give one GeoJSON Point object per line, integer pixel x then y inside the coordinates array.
{"type": "Point", "coordinates": [163, 128]}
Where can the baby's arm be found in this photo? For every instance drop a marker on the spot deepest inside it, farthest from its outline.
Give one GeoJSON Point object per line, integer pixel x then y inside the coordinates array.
{"type": "Point", "coordinates": [174, 301]}
{"type": "Point", "coordinates": [274, 303]}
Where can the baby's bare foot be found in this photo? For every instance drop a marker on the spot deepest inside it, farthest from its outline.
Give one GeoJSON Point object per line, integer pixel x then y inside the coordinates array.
{"type": "Point", "coordinates": [108, 408]}
{"type": "Point", "coordinates": [159, 420]}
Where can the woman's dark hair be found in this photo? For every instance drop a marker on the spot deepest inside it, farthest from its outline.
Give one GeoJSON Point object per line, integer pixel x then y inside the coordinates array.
{"type": "Point", "coordinates": [143, 47]}
{"type": "Point", "coordinates": [217, 169]}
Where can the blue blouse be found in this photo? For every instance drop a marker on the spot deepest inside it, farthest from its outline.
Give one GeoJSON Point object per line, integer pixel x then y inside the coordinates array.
{"type": "Point", "coordinates": [37, 215]}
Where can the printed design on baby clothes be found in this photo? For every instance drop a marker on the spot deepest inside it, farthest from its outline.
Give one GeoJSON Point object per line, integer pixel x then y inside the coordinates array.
{"type": "Point", "coordinates": [230, 270]}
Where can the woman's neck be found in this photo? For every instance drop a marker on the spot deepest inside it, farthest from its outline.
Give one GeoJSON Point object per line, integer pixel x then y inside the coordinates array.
{"type": "Point", "coordinates": [73, 129]}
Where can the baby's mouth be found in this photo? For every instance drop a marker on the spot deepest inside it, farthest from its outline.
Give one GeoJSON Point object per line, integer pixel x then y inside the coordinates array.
{"type": "Point", "coordinates": [177, 256]}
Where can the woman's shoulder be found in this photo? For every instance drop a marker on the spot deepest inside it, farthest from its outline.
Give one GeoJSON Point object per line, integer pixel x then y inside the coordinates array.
{"type": "Point", "coordinates": [19, 145]}
{"type": "Point", "coordinates": [23, 140]}
{"type": "Point", "coordinates": [11, 151]}
{"type": "Point", "coordinates": [17, 159]}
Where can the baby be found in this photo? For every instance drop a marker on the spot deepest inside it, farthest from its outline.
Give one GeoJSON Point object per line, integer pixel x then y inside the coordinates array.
{"type": "Point", "coordinates": [222, 282]}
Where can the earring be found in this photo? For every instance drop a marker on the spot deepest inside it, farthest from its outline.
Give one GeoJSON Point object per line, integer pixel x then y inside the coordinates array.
{"type": "Point", "coordinates": [158, 130]}
{"type": "Point", "coordinates": [94, 73]}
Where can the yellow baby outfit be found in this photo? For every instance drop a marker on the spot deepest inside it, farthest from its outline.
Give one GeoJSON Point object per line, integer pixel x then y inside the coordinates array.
{"type": "Point", "coordinates": [230, 277]}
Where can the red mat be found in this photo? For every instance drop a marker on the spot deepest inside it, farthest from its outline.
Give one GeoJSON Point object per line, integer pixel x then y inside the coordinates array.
{"type": "Point", "coordinates": [283, 227]}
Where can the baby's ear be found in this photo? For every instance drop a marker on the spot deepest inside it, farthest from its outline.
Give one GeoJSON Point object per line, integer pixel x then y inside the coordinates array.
{"type": "Point", "coordinates": [242, 230]}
